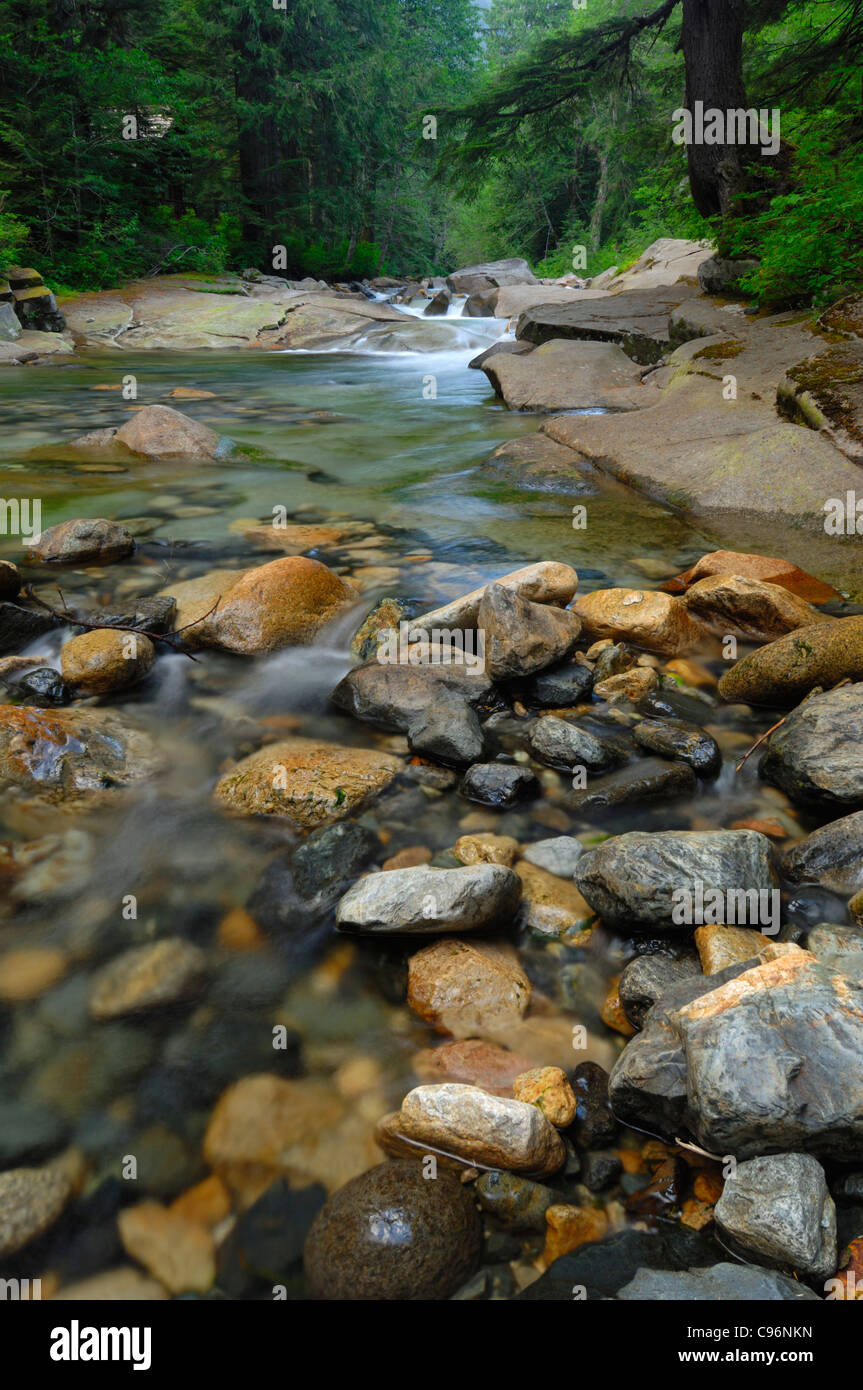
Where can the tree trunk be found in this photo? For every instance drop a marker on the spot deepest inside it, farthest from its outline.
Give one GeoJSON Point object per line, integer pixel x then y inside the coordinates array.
{"type": "Point", "coordinates": [712, 42]}
{"type": "Point", "coordinates": [599, 202]}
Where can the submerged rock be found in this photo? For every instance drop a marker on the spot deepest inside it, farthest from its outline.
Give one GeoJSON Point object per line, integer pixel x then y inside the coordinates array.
{"type": "Point", "coordinates": [674, 738]}
{"type": "Point", "coordinates": [148, 977]}
{"type": "Point", "coordinates": [817, 754]}
{"type": "Point", "coordinates": [470, 989]}
{"type": "Point", "coordinates": [564, 744]}
{"type": "Point", "coordinates": [423, 899]}
{"type": "Point", "coordinates": [72, 754]}
{"type": "Point", "coordinates": [391, 1235]}
{"type": "Point", "coordinates": [558, 855]}
{"type": "Point", "coordinates": [82, 542]}
{"type": "Point", "coordinates": [632, 879]}
{"type": "Point", "coordinates": [310, 782]}
{"type": "Point", "coordinates": [778, 1210]}
{"type": "Point", "coordinates": [31, 1200]}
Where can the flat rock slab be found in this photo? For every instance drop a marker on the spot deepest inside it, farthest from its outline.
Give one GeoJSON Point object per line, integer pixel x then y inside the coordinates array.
{"type": "Point", "coordinates": [567, 375]}
{"type": "Point", "coordinates": [636, 319]}
{"type": "Point", "coordinates": [474, 279]}
{"type": "Point", "coordinates": [826, 393]}
{"type": "Point", "coordinates": [510, 300]}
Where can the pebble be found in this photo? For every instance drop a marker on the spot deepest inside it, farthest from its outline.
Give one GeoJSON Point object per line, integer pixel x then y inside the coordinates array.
{"type": "Point", "coordinates": [569, 1227]}
{"type": "Point", "coordinates": [468, 988]}
{"type": "Point", "coordinates": [31, 1200]}
{"type": "Point", "coordinates": [424, 899]}
{"type": "Point", "coordinates": [29, 972]}
{"type": "Point", "coordinates": [148, 977]}
{"type": "Point", "coordinates": [487, 1130]}
{"type": "Point", "coordinates": [99, 662]}
{"type": "Point", "coordinates": [392, 1235]}
{"type": "Point", "coordinates": [550, 905]}
{"type": "Point", "coordinates": [179, 1253]}
{"type": "Point", "coordinates": [548, 1088]}
{"type": "Point", "coordinates": [486, 849]}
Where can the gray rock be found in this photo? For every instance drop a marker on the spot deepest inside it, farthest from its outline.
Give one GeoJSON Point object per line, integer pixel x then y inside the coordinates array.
{"type": "Point", "coordinates": [31, 1199]}
{"type": "Point", "coordinates": [637, 320]}
{"type": "Point", "coordinates": [10, 328]}
{"type": "Point", "coordinates": [433, 705]}
{"type": "Point", "coordinates": [423, 899]}
{"type": "Point", "coordinates": [777, 1210]}
{"type": "Point", "coordinates": [19, 626]}
{"type": "Point", "coordinates": [831, 856]}
{"type": "Point", "coordinates": [559, 855]}
{"type": "Point", "coordinates": [719, 275]}
{"type": "Point", "coordinates": [85, 541]}
{"type": "Point", "coordinates": [646, 978]}
{"type": "Point", "coordinates": [677, 739]}
{"type": "Point", "coordinates": [839, 947]}
{"type": "Point", "coordinates": [710, 1060]}
{"type": "Point", "coordinates": [29, 1132]}
{"type": "Point", "coordinates": [557, 688]}
{"type": "Point", "coordinates": [559, 743]}
{"type": "Point", "coordinates": [449, 730]}
{"type": "Point", "coordinates": [630, 879]}
{"type": "Point", "coordinates": [473, 279]}
{"type": "Point", "coordinates": [641, 781]}
{"type": "Point", "coordinates": [439, 304]}
{"type": "Point", "coordinates": [522, 637]}
{"type": "Point", "coordinates": [722, 1283]}
{"type": "Point", "coordinates": [817, 754]}
{"type": "Point", "coordinates": [497, 784]}
{"type": "Point", "coordinates": [332, 854]}
{"type": "Point", "coordinates": [492, 1131]}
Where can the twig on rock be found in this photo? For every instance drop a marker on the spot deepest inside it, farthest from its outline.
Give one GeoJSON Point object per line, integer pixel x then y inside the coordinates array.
{"type": "Point", "coordinates": [68, 615]}
{"type": "Point", "coordinates": [758, 742]}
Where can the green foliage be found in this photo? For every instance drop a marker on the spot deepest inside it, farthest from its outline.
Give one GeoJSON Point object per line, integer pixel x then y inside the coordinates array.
{"type": "Point", "coordinates": [13, 235]}
{"type": "Point", "coordinates": [809, 242]}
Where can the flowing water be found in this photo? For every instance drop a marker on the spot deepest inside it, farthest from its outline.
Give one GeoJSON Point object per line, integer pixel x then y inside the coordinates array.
{"type": "Point", "coordinates": [396, 440]}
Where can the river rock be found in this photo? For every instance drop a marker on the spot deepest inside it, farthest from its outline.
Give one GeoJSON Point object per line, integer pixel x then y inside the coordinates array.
{"type": "Point", "coordinates": [333, 854]}
{"type": "Point", "coordinates": [777, 1209]}
{"type": "Point", "coordinates": [648, 779]}
{"type": "Point", "coordinates": [839, 947]}
{"type": "Point", "coordinates": [759, 612]}
{"type": "Point", "coordinates": [310, 782]}
{"type": "Point", "coordinates": [472, 1061]}
{"type": "Point", "coordinates": [159, 432]}
{"type": "Point", "coordinates": [723, 1283]}
{"type": "Point", "coordinates": [391, 1235]}
{"type": "Point", "coordinates": [545, 582]}
{"type": "Point", "coordinates": [817, 754]}
{"type": "Point", "coordinates": [98, 662]}
{"type": "Point", "coordinates": [280, 604]}
{"type": "Point", "coordinates": [31, 1200]}
{"type": "Point", "coordinates": [707, 1060]}
{"type": "Point", "coordinates": [10, 580]}
{"type": "Point", "coordinates": [72, 754]}
{"type": "Point", "coordinates": [433, 705]}
{"type": "Point", "coordinates": [178, 1252]}
{"type": "Point", "coordinates": [516, 1202]}
{"type": "Point", "coordinates": [636, 319]}
{"type": "Point", "coordinates": [565, 375]}
{"type": "Point", "coordinates": [603, 1267]}
{"type": "Point", "coordinates": [674, 738]}
{"type": "Point", "coordinates": [768, 570]}
{"type": "Point", "coordinates": [646, 978]}
{"type": "Point", "coordinates": [522, 637]}
{"type": "Point", "coordinates": [480, 1128]}
{"type": "Point", "coordinates": [630, 879]}
{"type": "Point", "coordinates": [561, 743]}
{"type": "Point", "coordinates": [631, 685]}
{"type": "Point", "coordinates": [497, 784]}
{"type": "Point", "coordinates": [719, 946]}
{"type": "Point", "coordinates": [87, 541]}
{"type": "Point", "coordinates": [655, 621]}
{"type": "Point", "coordinates": [473, 279]}
{"type": "Point", "coordinates": [424, 899]}
{"type": "Point", "coordinates": [559, 855]}
{"type": "Point", "coordinates": [439, 303]}
{"type": "Point", "coordinates": [148, 977]}
{"type": "Point", "coordinates": [152, 614]}
{"type": "Point", "coordinates": [549, 904]}
{"type": "Point", "coordinates": [831, 856]}
{"type": "Point", "coordinates": [785, 670]}
{"type": "Point", "coordinates": [43, 687]}
{"type": "Point", "coordinates": [468, 989]}
{"type": "Point", "coordinates": [558, 687]}
{"type": "Point", "coordinates": [485, 848]}
{"type": "Point", "coordinates": [547, 1088]}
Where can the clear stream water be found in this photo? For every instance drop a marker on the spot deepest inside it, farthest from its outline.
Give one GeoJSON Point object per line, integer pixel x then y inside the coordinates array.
{"type": "Point", "coordinates": [331, 435]}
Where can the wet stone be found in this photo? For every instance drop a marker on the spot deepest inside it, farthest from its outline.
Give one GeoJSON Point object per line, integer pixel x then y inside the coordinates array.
{"type": "Point", "coordinates": [514, 1201]}
{"type": "Point", "coordinates": [557, 687]}
{"type": "Point", "coordinates": [646, 978]}
{"type": "Point", "coordinates": [558, 855]}
{"type": "Point", "coordinates": [497, 784]}
{"type": "Point", "coordinates": [31, 1200]}
{"type": "Point", "coordinates": [20, 626]}
{"type": "Point", "coordinates": [391, 1235]}
{"type": "Point", "coordinates": [559, 743]}
{"type": "Point", "coordinates": [594, 1126]}
{"type": "Point", "coordinates": [724, 1282]}
{"type": "Point", "coordinates": [648, 779]}
{"type": "Point", "coordinates": [676, 739]}
{"type": "Point", "coordinates": [43, 687]}
{"type": "Point", "coordinates": [817, 754]}
{"type": "Point", "coordinates": [600, 1170]}
{"type": "Point", "coordinates": [424, 899]}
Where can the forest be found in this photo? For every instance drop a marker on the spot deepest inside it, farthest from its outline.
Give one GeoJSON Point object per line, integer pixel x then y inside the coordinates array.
{"type": "Point", "coordinates": [407, 136]}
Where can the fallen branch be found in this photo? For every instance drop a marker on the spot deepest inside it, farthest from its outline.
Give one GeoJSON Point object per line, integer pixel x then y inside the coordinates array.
{"type": "Point", "coordinates": [758, 742]}
{"type": "Point", "coordinates": [69, 615]}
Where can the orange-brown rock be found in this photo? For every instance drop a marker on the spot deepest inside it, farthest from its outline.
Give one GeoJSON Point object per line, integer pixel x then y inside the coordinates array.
{"type": "Point", "coordinates": [652, 620]}
{"type": "Point", "coordinates": [469, 989]}
{"type": "Point", "coordinates": [569, 1227]}
{"type": "Point", "coordinates": [771, 571]}
{"type": "Point", "coordinates": [309, 782]}
{"type": "Point", "coordinates": [548, 1088]}
{"type": "Point", "coordinates": [473, 1062]}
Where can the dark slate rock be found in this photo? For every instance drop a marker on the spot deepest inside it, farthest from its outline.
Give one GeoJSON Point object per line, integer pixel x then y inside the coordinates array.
{"type": "Point", "coordinates": [594, 1126]}
{"type": "Point", "coordinates": [816, 757]}
{"type": "Point", "coordinates": [831, 856]}
{"type": "Point", "coordinates": [649, 779]}
{"type": "Point", "coordinates": [497, 784]}
{"type": "Point", "coordinates": [561, 743]}
{"type": "Point", "coordinates": [601, 1268]}
{"type": "Point", "coordinates": [29, 1133]}
{"type": "Point", "coordinates": [44, 687]}
{"type": "Point", "coordinates": [646, 978]}
{"type": "Point", "coordinates": [19, 626]}
{"type": "Point", "coordinates": [335, 854]}
{"type": "Point", "coordinates": [559, 687]}
{"type": "Point", "coordinates": [685, 742]}
{"type": "Point", "coordinates": [600, 1170]}
{"type": "Point", "coordinates": [266, 1245]}
{"type": "Point", "coordinates": [723, 1283]}
{"type": "Point", "coordinates": [631, 878]}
